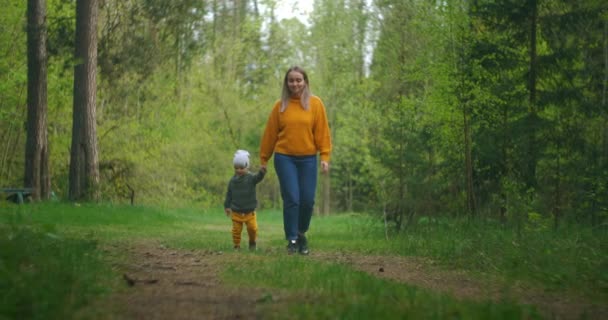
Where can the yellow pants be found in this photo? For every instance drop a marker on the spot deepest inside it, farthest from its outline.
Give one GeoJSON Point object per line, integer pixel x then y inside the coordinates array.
{"type": "Point", "coordinates": [249, 219]}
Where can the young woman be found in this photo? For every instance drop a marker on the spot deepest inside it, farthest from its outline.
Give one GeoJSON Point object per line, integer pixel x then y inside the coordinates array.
{"type": "Point", "coordinates": [297, 132]}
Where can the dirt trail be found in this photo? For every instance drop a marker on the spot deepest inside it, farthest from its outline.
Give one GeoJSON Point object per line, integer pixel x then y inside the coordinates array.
{"type": "Point", "coordinates": [172, 284]}
{"type": "Point", "coordinates": [424, 274]}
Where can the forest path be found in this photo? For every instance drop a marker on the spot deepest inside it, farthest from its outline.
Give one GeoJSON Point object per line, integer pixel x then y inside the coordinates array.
{"type": "Point", "coordinates": [165, 283]}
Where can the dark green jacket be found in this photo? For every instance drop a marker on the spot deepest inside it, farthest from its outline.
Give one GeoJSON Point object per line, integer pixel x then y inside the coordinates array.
{"type": "Point", "coordinates": [241, 195]}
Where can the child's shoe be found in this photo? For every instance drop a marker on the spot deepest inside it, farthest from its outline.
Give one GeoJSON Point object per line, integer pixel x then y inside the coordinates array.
{"type": "Point", "coordinates": [252, 246]}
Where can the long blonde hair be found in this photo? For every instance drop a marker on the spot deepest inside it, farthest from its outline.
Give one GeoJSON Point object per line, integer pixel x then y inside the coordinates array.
{"type": "Point", "coordinates": [286, 94]}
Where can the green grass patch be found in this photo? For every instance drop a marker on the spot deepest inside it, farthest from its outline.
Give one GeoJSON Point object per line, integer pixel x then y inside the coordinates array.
{"type": "Point", "coordinates": [569, 258]}
{"type": "Point", "coordinates": [47, 276]}
{"type": "Point", "coordinates": [572, 257]}
{"type": "Point", "coordinates": [122, 223]}
{"type": "Point", "coordinates": [334, 291]}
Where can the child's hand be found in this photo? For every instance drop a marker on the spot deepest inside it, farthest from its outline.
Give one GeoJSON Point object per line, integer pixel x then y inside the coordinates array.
{"type": "Point", "coordinates": [228, 212]}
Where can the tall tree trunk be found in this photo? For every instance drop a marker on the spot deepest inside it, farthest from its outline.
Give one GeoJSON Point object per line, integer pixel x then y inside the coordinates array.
{"type": "Point", "coordinates": [506, 170]}
{"type": "Point", "coordinates": [326, 190]}
{"type": "Point", "coordinates": [325, 178]}
{"type": "Point", "coordinates": [604, 154]}
{"type": "Point", "coordinates": [350, 192]}
{"type": "Point", "coordinates": [361, 24]}
{"type": "Point", "coordinates": [532, 110]}
{"type": "Point", "coordinates": [465, 100]}
{"type": "Point", "coordinates": [36, 173]}
{"type": "Point", "coordinates": [465, 103]}
{"type": "Point", "coordinates": [84, 166]}
{"type": "Point", "coordinates": [468, 159]}
{"type": "Point", "coordinates": [557, 192]}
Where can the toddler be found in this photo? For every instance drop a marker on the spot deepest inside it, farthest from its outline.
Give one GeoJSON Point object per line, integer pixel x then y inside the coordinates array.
{"type": "Point", "coordinates": [241, 201]}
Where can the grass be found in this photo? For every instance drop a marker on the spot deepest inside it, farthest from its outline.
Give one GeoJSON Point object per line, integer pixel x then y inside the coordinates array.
{"type": "Point", "coordinates": [569, 258]}
{"type": "Point", "coordinates": [47, 276]}
{"type": "Point", "coordinates": [51, 264]}
{"type": "Point", "coordinates": [334, 291]}
{"type": "Point", "coordinates": [573, 257]}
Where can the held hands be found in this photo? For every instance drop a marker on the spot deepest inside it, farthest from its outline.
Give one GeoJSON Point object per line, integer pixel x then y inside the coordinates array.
{"type": "Point", "coordinates": [228, 212]}
{"type": "Point", "coordinates": [324, 167]}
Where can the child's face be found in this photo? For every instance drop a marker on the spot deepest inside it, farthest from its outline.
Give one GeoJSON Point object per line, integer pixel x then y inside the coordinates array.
{"type": "Point", "coordinates": [239, 171]}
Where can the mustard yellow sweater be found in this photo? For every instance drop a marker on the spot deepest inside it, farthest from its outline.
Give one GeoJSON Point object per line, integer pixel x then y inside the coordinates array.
{"type": "Point", "coordinates": [297, 132]}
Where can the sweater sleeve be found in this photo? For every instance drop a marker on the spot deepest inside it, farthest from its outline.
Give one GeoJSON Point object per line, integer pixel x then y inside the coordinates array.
{"type": "Point", "coordinates": [259, 176]}
{"type": "Point", "coordinates": [228, 199]}
{"type": "Point", "coordinates": [271, 133]}
{"type": "Point", "coordinates": [322, 134]}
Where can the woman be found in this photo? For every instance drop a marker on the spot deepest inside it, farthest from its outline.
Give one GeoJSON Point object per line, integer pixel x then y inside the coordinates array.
{"type": "Point", "coordinates": [296, 131]}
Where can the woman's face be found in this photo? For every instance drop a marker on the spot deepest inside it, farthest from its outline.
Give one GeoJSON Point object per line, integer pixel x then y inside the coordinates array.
{"type": "Point", "coordinates": [295, 83]}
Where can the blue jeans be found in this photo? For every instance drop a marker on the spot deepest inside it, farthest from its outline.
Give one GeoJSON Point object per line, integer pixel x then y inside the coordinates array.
{"type": "Point", "coordinates": [298, 180]}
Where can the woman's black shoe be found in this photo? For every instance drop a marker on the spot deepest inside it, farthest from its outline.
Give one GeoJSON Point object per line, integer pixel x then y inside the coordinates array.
{"type": "Point", "coordinates": [302, 244]}
{"type": "Point", "coordinates": [292, 247]}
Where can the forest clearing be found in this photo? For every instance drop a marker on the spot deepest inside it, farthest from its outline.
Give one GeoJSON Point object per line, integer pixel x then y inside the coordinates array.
{"type": "Point", "coordinates": [461, 150]}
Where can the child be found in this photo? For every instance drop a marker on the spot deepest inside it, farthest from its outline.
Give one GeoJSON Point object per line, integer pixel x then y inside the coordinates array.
{"type": "Point", "coordinates": [241, 202]}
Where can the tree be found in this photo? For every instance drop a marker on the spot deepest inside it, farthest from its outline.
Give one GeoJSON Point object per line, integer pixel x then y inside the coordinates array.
{"type": "Point", "coordinates": [572, 107]}
{"type": "Point", "coordinates": [464, 96]}
{"type": "Point", "coordinates": [84, 166]}
{"type": "Point", "coordinates": [532, 8]}
{"type": "Point", "coordinates": [339, 32]}
{"type": "Point", "coordinates": [36, 150]}
{"type": "Point", "coordinates": [405, 60]}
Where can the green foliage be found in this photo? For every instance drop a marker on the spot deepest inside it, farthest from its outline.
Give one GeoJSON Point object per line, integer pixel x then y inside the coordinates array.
{"type": "Point", "coordinates": [61, 26]}
{"type": "Point", "coordinates": [13, 90]}
{"type": "Point", "coordinates": [181, 125]}
{"type": "Point", "coordinates": [469, 66]}
{"type": "Point", "coordinates": [182, 84]}
{"type": "Point", "coordinates": [59, 116]}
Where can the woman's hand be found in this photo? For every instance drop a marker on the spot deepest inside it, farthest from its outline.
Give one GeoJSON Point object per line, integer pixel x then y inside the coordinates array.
{"type": "Point", "coordinates": [324, 166]}
{"type": "Point", "coordinates": [228, 212]}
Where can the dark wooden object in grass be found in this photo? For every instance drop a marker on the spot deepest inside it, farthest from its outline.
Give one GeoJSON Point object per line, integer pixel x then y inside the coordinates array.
{"type": "Point", "coordinates": [17, 195]}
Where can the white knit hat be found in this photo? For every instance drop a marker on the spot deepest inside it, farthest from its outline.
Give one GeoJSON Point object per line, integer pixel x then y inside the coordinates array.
{"type": "Point", "coordinates": [241, 159]}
